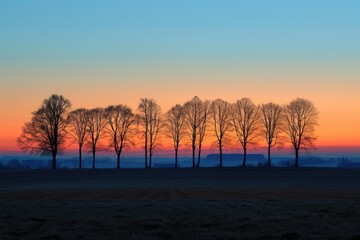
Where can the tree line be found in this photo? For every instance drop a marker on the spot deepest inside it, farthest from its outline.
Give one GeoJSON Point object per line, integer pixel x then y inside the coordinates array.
{"type": "Point", "coordinates": [54, 123]}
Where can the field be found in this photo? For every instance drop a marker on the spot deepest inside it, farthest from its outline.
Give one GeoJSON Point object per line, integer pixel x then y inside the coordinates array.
{"type": "Point", "coordinates": [206, 203]}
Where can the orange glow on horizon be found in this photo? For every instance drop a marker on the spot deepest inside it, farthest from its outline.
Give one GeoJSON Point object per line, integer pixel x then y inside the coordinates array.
{"type": "Point", "coordinates": [339, 111]}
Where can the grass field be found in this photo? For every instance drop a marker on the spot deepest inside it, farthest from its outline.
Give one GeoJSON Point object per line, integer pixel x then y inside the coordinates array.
{"type": "Point", "coordinates": [231, 203]}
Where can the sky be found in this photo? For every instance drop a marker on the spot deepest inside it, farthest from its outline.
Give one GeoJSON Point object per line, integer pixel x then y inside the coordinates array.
{"type": "Point", "coordinates": [98, 53]}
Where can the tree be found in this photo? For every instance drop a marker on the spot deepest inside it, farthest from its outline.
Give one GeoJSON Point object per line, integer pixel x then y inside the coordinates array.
{"type": "Point", "coordinates": [301, 118]}
{"type": "Point", "coordinates": [174, 123]}
{"type": "Point", "coordinates": [221, 120]}
{"type": "Point", "coordinates": [155, 126]}
{"type": "Point", "coordinates": [192, 110]}
{"type": "Point", "coordinates": [142, 119]}
{"type": "Point", "coordinates": [245, 121]}
{"type": "Point", "coordinates": [96, 125]}
{"type": "Point", "coordinates": [119, 119]}
{"type": "Point", "coordinates": [78, 123]}
{"type": "Point", "coordinates": [203, 124]}
{"type": "Point", "coordinates": [149, 118]}
{"type": "Point", "coordinates": [271, 119]}
{"type": "Point", "coordinates": [46, 132]}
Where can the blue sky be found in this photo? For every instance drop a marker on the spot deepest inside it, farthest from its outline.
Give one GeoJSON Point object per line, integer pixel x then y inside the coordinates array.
{"type": "Point", "coordinates": [65, 32]}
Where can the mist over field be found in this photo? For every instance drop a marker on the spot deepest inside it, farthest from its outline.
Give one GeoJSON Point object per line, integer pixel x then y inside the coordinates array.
{"type": "Point", "coordinates": [33, 162]}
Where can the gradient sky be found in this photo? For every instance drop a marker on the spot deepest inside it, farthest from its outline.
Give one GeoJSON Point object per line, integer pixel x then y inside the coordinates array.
{"type": "Point", "coordinates": [98, 53]}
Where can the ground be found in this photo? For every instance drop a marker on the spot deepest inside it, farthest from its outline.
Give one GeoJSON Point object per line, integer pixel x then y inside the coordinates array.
{"type": "Point", "coordinates": [212, 203]}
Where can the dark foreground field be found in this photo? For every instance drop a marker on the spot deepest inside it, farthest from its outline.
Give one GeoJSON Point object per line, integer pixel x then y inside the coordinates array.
{"type": "Point", "coordinates": [232, 203]}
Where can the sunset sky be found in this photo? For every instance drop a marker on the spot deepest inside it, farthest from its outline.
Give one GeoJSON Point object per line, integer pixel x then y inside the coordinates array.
{"type": "Point", "coordinates": [98, 53]}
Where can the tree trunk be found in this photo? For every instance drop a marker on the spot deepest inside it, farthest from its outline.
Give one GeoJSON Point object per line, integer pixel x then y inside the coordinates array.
{"type": "Point", "coordinates": [269, 159]}
{"type": "Point", "coordinates": [118, 161]}
{"type": "Point", "coordinates": [93, 158]}
{"type": "Point", "coordinates": [296, 157]}
{"type": "Point", "coordinates": [199, 156]}
{"type": "Point", "coordinates": [193, 155]}
{"type": "Point", "coordinates": [146, 155]}
{"type": "Point", "coordinates": [176, 158]}
{"type": "Point", "coordinates": [80, 156]}
{"type": "Point", "coordinates": [220, 149]}
{"type": "Point", "coordinates": [150, 156]}
{"type": "Point", "coordinates": [244, 159]}
{"type": "Point", "coordinates": [53, 160]}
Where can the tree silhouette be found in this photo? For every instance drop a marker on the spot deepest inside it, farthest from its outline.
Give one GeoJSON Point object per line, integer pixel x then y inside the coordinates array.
{"type": "Point", "coordinates": [78, 124]}
{"type": "Point", "coordinates": [271, 119]}
{"type": "Point", "coordinates": [203, 124]}
{"type": "Point", "coordinates": [301, 118]}
{"type": "Point", "coordinates": [193, 110]}
{"type": "Point", "coordinates": [221, 120]}
{"type": "Point", "coordinates": [46, 132]}
{"type": "Point", "coordinates": [119, 120]}
{"type": "Point", "coordinates": [174, 124]}
{"type": "Point", "coordinates": [149, 118]}
{"type": "Point", "coordinates": [143, 119]}
{"type": "Point", "coordinates": [245, 121]}
{"type": "Point", "coordinates": [96, 125]}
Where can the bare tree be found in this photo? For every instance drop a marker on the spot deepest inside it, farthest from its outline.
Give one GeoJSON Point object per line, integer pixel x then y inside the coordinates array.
{"type": "Point", "coordinates": [174, 123]}
{"type": "Point", "coordinates": [96, 125]}
{"type": "Point", "coordinates": [119, 119]}
{"type": "Point", "coordinates": [301, 118]}
{"type": "Point", "coordinates": [78, 123]}
{"type": "Point", "coordinates": [271, 118]}
{"type": "Point", "coordinates": [155, 126]}
{"type": "Point", "coordinates": [143, 119]}
{"type": "Point", "coordinates": [149, 117]}
{"type": "Point", "coordinates": [193, 110]}
{"type": "Point", "coordinates": [203, 124]}
{"type": "Point", "coordinates": [245, 120]}
{"type": "Point", "coordinates": [221, 120]}
{"type": "Point", "coordinates": [45, 133]}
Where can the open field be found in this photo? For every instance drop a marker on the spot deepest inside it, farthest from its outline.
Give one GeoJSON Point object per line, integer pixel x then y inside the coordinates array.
{"type": "Point", "coordinates": [229, 203]}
